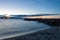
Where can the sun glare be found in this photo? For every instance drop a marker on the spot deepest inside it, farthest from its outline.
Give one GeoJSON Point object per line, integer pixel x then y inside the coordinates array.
{"type": "Point", "coordinates": [12, 12]}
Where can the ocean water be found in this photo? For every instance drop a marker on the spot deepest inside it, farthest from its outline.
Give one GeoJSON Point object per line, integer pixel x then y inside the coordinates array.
{"type": "Point", "coordinates": [17, 27]}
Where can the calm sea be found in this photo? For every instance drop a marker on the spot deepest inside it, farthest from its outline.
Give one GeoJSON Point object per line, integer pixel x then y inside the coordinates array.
{"type": "Point", "coordinates": [17, 27]}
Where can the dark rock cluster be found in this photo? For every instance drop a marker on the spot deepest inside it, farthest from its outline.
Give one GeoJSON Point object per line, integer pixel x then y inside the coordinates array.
{"type": "Point", "coordinates": [51, 22]}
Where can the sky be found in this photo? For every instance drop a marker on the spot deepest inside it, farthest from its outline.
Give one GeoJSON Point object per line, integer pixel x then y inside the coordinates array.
{"type": "Point", "coordinates": [27, 7]}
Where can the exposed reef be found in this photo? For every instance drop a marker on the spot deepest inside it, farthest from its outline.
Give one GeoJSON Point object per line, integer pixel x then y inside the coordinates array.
{"type": "Point", "coordinates": [52, 22]}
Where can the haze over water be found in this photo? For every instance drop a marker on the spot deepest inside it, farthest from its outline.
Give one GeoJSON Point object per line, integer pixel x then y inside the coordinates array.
{"type": "Point", "coordinates": [11, 28]}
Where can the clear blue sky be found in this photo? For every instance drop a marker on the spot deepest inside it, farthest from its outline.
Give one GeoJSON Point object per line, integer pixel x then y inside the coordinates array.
{"type": "Point", "coordinates": [29, 6]}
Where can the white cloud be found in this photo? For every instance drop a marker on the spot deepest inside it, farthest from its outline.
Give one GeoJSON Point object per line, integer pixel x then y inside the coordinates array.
{"type": "Point", "coordinates": [12, 11]}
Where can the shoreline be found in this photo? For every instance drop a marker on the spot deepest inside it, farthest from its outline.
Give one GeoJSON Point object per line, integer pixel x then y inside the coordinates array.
{"type": "Point", "coordinates": [48, 34]}
{"type": "Point", "coordinates": [54, 22]}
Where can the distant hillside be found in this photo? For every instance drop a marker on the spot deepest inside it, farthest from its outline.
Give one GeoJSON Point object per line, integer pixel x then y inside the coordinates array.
{"type": "Point", "coordinates": [21, 16]}
{"type": "Point", "coordinates": [44, 14]}
{"type": "Point", "coordinates": [15, 16]}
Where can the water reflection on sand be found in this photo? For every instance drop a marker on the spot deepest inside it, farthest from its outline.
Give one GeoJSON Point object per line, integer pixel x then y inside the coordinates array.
{"type": "Point", "coordinates": [15, 27]}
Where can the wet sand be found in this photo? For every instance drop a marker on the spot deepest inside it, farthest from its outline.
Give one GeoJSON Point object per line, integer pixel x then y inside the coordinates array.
{"type": "Point", "coordinates": [48, 34]}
